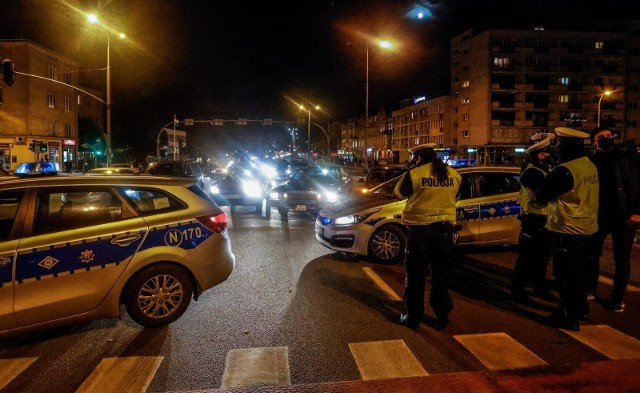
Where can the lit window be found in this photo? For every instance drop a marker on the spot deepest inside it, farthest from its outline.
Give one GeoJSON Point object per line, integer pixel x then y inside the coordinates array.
{"type": "Point", "coordinates": [564, 98]}
{"type": "Point", "coordinates": [51, 98]}
{"type": "Point", "coordinates": [465, 84]}
{"type": "Point", "coordinates": [502, 62]}
{"type": "Point", "coordinates": [67, 104]}
{"type": "Point", "coordinates": [51, 72]}
{"type": "Point", "coordinates": [465, 100]}
{"type": "Point", "coordinates": [564, 80]}
{"type": "Point", "coordinates": [465, 116]}
{"type": "Point", "coordinates": [599, 44]}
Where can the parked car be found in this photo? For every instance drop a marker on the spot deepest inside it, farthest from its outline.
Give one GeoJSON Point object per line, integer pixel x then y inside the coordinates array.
{"type": "Point", "coordinates": [74, 248]}
{"type": "Point", "coordinates": [370, 224]}
{"type": "Point", "coordinates": [181, 168]}
{"type": "Point", "coordinates": [113, 171]}
{"type": "Point", "coordinates": [310, 188]}
{"type": "Point", "coordinates": [241, 185]}
{"type": "Point", "coordinates": [378, 175]}
{"type": "Point", "coordinates": [126, 165]}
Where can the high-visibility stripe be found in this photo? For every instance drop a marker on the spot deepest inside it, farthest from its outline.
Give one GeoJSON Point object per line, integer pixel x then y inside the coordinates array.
{"type": "Point", "coordinates": [11, 368]}
{"type": "Point", "coordinates": [498, 351]}
{"type": "Point", "coordinates": [386, 359]}
{"type": "Point", "coordinates": [257, 367]}
{"type": "Point", "coordinates": [126, 374]}
{"type": "Point", "coordinates": [608, 341]}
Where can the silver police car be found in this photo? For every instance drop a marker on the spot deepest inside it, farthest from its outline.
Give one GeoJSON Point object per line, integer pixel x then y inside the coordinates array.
{"type": "Point", "coordinates": [370, 224]}
{"type": "Point", "coordinates": [74, 248]}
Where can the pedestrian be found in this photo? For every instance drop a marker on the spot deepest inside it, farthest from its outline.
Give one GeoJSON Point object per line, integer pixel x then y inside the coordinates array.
{"type": "Point", "coordinates": [534, 242]}
{"type": "Point", "coordinates": [430, 214]}
{"type": "Point", "coordinates": [618, 213]}
{"type": "Point", "coordinates": [571, 190]}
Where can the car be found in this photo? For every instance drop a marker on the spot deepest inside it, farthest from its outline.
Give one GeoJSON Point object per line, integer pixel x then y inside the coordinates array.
{"type": "Point", "coordinates": [309, 189]}
{"type": "Point", "coordinates": [113, 171]}
{"type": "Point", "coordinates": [179, 168]}
{"type": "Point", "coordinates": [39, 168]}
{"type": "Point", "coordinates": [126, 165]}
{"type": "Point", "coordinates": [378, 175]}
{"type": "Point", "coordinates": [74, 248]}
{"type": "Point", "coordinates": [242, 184]}
{"type": "Point", "coordinates": [371, 224]}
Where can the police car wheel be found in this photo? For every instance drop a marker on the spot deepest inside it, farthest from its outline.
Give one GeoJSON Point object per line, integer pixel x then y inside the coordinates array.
{"type": "Point", "coordinates": [387, 244]}
{"type": "Point", "coordinates": [158, 295]}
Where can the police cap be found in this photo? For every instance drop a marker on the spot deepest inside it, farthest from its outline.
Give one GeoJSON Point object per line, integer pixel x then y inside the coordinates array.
{"type": "Point", "coordinates": [545, 143]}
{"type": "Point", "coordinates": [417, 148]}
{"type": "Point", "coordinates": [564, 132]}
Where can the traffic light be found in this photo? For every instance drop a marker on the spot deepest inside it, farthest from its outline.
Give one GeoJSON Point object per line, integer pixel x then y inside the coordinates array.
{"type": "Point", "coordinates": [8, 73]}
{"type": "Point", "coordinates": [43, 147]}
{"type": "Point", "coordinates": [32, 146]}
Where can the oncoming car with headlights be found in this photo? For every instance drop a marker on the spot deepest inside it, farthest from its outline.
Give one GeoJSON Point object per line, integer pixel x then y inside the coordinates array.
{"type": "Point", "coordinates": [309, 189]}
{"type": "Point", "coordinates": [371, 225]}
{"type": "Point", "coordinates": [242, 184]}
{"type": "Point", "coordinates": [74, 248]}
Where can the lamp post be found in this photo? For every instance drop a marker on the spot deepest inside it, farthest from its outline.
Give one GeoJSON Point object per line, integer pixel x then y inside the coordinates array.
{"type": "Point", "coordinates": [605, 93]}
{"type": "Point", "coordinates": [309, 131]}
{"type": "Point", "coordinates": [382, 44]}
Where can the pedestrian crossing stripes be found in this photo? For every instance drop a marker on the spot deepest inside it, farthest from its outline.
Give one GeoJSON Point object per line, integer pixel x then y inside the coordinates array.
{"type": "Point", "coordinates": [375, 360]}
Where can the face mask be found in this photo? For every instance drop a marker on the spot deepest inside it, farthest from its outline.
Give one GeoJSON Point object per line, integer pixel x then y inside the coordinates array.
{"type": "Point", "coordinates": [605, 144]}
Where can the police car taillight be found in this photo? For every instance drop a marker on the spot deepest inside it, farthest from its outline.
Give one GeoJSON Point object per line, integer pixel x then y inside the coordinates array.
{"type": "Point", "coordinates": [217, 223]}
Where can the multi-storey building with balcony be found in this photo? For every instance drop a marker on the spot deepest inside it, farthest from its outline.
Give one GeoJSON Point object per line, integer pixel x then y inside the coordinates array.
{"type": "Point", "coordinates": [421, 121]}
{"type": "Point", "coordinates": [36, 108]}
{"type": "Point", "coordinates": [507, 85]}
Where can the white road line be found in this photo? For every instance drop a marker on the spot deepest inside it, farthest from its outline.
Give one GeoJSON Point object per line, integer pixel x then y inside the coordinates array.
{"type": "Point", "coordinates": [126, 374]}
{"type": "Point", "coordinates": [386, 359]}
{"type": "Point", "coordinates": [498, 351]}
{"type": "Point", "coordinates": [11, 368]}
{"type": "Point", "coordinates": [381, 284]}
{"type": "Point", "coordinates": [257, 367]}
{"type": "Point", "coordinates": [608, 341]}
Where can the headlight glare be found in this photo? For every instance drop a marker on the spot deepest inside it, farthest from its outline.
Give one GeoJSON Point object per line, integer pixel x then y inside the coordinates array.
{"type": "Point", "coordinates": [251, 188]}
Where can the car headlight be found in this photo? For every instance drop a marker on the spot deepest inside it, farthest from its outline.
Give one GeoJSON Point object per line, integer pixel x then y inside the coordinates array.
{"type": "Point", "coordinates": [251, 188]}
{"type": "Point", "coordinates": [274, 196]}
{"type": "Point", "coordinates": [328, 196]}
{"type": "Point", "coordinates": [215, 190]}
{"type": "Point", "coordinates": [355, 218]}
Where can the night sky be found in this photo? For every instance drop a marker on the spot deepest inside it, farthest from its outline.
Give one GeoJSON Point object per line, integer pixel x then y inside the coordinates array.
{"type": "Point", "coordinates": [254, 59]}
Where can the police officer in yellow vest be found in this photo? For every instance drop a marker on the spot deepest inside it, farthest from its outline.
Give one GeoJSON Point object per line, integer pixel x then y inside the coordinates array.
{"type": "Point", "coordinates": [430, 214]}
{"type": "Point", "coordinates": [571, 189]}
{"type": "Point", "coordinates": [534, 243]}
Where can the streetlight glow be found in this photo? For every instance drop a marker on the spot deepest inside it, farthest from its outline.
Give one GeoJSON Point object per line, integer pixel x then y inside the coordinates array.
{"type": "Point", "coordinates": [605, 93]}
{"type": "Point", "coordinates": [92, 18]}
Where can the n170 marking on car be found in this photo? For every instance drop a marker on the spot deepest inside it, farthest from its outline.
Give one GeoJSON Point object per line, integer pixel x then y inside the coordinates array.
{"type": "Point", "coordinates": [175, 237]}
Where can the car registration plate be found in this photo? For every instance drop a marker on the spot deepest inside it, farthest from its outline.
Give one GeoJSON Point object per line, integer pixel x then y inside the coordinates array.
{"type": "Point", "coordinates": [232, 196]}
{"type": "Point", "coordinates": [301, 208]}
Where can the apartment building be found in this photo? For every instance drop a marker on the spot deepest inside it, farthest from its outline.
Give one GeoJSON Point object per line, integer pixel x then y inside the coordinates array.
{"type": "Point", "coordinates": [507, 85]}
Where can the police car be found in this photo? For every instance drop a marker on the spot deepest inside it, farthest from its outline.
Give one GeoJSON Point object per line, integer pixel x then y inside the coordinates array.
{"type": "Point", "coordinates": [371, 225]}
{"type": "Point", "coordinates": [74, 248]}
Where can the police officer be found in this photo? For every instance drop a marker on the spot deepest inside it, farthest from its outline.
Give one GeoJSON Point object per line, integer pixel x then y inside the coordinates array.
{"type": "Point", "coordinates": [571, 189]}
{"type": "Point", "coordinates": [430, 213]}
{"type": "Point", "coordinates": [534, 241]}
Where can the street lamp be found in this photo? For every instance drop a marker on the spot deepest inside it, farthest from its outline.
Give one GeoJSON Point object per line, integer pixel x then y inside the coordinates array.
{"type": "Point", "coordinates": [309, 130]}
{"type": "Point", "coordinates": [605, 93]}
{"type": "Point", "coordinates": [94, 19]}
{"type": "Point", "coordinates": [385, 45]}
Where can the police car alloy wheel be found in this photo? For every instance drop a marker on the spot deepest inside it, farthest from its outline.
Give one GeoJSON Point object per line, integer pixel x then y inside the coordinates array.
{"type": "Point", "coordinates": [387, 244]}
{"type": "Point", "coordinates": [158, 295]}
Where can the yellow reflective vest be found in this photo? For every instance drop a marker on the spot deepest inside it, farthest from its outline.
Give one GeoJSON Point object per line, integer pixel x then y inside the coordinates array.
{"type": "Point", "coordinates": [528, 201]}
{"type": "Point", "coordinates": [432, 201]}
{"type": "Point", "coordinates": [576, 212]}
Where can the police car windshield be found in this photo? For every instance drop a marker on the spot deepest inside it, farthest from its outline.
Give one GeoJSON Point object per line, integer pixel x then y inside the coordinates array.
{"type": "Point", "coordinates": [384, 190]}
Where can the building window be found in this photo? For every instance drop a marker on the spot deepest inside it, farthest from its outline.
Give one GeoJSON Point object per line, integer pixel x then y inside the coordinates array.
{"type": "Point", "coordinates": [456, 94]}
{"type": "Point", "coordinates": [51, 72]}
{"type": "Point", "coordinates": [465, 51]}
{"type": "Point", "coordinates": [632, 105]}
{"type": "Point", "coordinates": [465, 134]}
{"type": "Point", "coordinates": [465, 67]}
{"type": "Point", "coordinates": [564, 80]}
{"type": "Point", "coordinates": [51, 100]}
{"type": "Point", "coordinates": [465, 83]}
{"type": "Point", "coordinates": [67, 104]}
{"type": "Point", "coordinates": [67, 130]}
{"type": "Point", "coordinates": [501, 62]}
{"type": "Point", "coordinates": [67, 78]}
{"type": "Point", "coordinates": [455, 110]}
{"type": "Point", "coordinates": [0, 95]}
{"type": "Point", "coordinates": [465, 116]}
{"type": "Point", "coordinates": [599, 44]}
{"type": "Point", "coordinates": [465, 100]}
{"type": "Point", "coordinates": [563, 98]}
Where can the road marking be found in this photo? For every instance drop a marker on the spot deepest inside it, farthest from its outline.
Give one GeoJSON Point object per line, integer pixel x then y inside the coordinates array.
{"type": "Point", "coordinates": [386, 359]}
{"type": "Point", "coordinates": [11, 368]}
{"type": "Point", "coordinates": [498, 351]}
{"type": "Point", "coordinates": [257, 367]}
{"type": "Point", "coordinates": [381, 284]}
{"type": "Point", "coordinates": [608, 341]}
{"type": "Point", "coordinates": [126, 374]}
{"type": "Point", "coordinates": [609, 281]}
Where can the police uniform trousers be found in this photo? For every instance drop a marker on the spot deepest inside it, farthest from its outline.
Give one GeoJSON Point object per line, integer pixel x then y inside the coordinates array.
{"type": "Point", "coordinates": [622, 235]}
{"type": "Point", "coordinates": [570, 272]}
{"type": "Point", "coordinates": [534, 247]}
{"type": "Point", "coordinates": [428, 246]}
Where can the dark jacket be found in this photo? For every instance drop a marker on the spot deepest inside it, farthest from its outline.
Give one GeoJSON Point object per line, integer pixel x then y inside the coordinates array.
{"type": "Point", "coordinates": [626, 172]}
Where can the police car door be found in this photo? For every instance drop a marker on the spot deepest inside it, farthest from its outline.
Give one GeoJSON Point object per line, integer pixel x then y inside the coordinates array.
{"type": "Point", "coordinates": [77, 243]}
{"type": "Point", "coordinates": [499, 207]}
{"type": "Point", "coordinates": [467, 210]}
{"type": "Point", "coordinates": [11, 218]}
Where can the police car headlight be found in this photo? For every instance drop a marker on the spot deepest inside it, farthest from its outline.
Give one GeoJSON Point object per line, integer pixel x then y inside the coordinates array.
{"type": "Point", "coordinates": [355, 218]}
{"type": "Point", "coordinates": [214, 190]}
{"type": "Point", "coordinates": [251, 188]}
